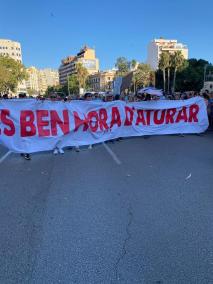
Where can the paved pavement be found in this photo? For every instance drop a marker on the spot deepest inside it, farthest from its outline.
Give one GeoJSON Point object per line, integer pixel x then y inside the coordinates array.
{"type": "Point", "coordinates": [137, 211]}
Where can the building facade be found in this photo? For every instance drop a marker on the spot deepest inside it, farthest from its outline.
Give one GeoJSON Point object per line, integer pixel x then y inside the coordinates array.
{"type": "Point", "coordinates": [48, 78]}
{"type": "Point", "coordinates": [11, 48]}
{"type": "Point", "coordinates": [40, 79]}
{"type": "Point", "coordinates": [157, 46]}
{"type": "Point", "coordinates": [102, 81]}
{"type": "Point", "coordinates": [86, 56]}
{"type": "Point", "coordinates": [33, 79]}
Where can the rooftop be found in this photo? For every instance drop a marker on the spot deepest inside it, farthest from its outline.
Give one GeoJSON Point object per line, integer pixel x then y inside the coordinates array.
{"type": "Point", "coordinates": [8, 40]}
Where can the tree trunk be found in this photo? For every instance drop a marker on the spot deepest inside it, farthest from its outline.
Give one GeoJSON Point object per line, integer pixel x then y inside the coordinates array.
{"type": "Point", "coordinates": [154, 79]}
{"type": "Point", "coordinates": [134, 86]}
{"type": "Point", "coordinates": [168, 73]}
{"type": "Point", "coordinates": [79, 86]}
{"type": "Point", "coordinates": [164, 80]}
{"type": "Point", "coordinates": [174, 80]}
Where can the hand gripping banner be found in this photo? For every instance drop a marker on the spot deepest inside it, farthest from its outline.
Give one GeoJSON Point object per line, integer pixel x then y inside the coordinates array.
{"type": "Point", "coordinates": [29, 125]}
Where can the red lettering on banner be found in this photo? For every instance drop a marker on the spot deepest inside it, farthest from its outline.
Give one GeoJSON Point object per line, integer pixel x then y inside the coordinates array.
{"type": "Point", "coordinates": [170, 113]}
{"type": "Point", "coordinates": [103, 119]}
{"type": "Point", "coordinates": [148, 116]}
{"type": "Point", "coordinates": [79, 122]}
{"type": "Point", "coordinates": [93, 124]}
{"type": "Point", "coordinates": [28, 128]}
{"type": "Point", "coordinates": [5, 113]}
{"type": "Point", "coordinates": [42, 132]}
{"type": "Point", "coordinates": [140, 118]}
{"type": "Point", "coordinates": [193, 112]}
{"type": "Point", "coordinates": [129, 116]}
{"type": "Point", "coordinates": [182, 115]}
{"type": "Point", "coordinates": [116, 118]}
{"type": "Point", "coordinates": [56, 121]}
{"type": "Point", "coordinates": [162, 116]}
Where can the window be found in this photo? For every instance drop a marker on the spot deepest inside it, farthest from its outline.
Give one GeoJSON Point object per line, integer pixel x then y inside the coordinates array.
{"type": "Point", "coordinates": [210, 86]}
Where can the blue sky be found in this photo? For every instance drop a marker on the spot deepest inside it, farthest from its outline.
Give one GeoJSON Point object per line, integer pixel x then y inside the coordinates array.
{"type": "Point", "coordinates": [49, 30]}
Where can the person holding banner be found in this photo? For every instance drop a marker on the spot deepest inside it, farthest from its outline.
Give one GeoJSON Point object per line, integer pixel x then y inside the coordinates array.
{"type": "Point", "coordinates": [30, 126]}
{"type": "Point", "coordinates": [87, 97]}
{"type": "Point", "coordinates": [109, 97]}
{"type": "Point", "coordinates": [57, 150]}
{"type": "Point", "coordinates": [26, 156]}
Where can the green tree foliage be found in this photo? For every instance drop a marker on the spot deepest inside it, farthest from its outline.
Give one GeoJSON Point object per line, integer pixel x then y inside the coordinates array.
{"type": "Point", "coordinates": [73, 84]}
{"type": "Point", "coordinates": [123, 66]}
{"type": "Point", "coordinates": [164, 63]}
{"type": "Point", "coordinates": [60, 90]}
{"type": "Point", "coordinates": [11, 73]}
{"type": "Point", "coordinates": [191, 78]}
{"type": "Point", "coordinates": [82, 75]}
{"type": "Point", "coordinates": [88, 85]}
{"type": "Point", "coordinates": [178, 64]}
{"type": "Point", "coordinates": [133, 63]}
{"type": "Point", "coordinates": [159, 84]}
{"type": "Point", "coordinates": [143, 76]}
{"type": "Point", "coordinates": [173, 63]}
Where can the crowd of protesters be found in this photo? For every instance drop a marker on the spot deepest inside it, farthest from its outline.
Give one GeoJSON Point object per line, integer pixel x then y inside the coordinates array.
{"type": "Point", "coordinates": [108, 97]}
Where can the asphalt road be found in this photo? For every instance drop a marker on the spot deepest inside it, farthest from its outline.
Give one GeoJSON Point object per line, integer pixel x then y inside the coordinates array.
{"type": "Point", "coordinates": [138, 211]}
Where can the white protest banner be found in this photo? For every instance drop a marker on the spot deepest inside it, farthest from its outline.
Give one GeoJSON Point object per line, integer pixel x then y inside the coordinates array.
{"type": "Point", "coordinates": [29, 125]}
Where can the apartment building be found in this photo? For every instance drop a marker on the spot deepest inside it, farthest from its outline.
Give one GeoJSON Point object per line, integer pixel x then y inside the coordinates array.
{"type": "Point", "coordinates": [11, 48]}
{"type": "Point", "coordinates": [157, 46]}
{"type": "Point", "coordinates": [102, 81]}
{"type": "Point", "coordinates": [40, 79]}
{"type": "Point", "coordinates": [33, 79]}
{"type": "Point", "coordinates": [48, 77]}
{"type": "Point", "coordinates": [86, 56]}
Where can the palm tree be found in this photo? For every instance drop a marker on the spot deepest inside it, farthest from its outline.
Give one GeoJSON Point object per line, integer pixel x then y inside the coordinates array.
{"type": "Point", "coordinates": [168, 72]}
{"type": "Point", "coordinates": [133, 64]}
{"type": "Point", "coordinates": [123, 66]}
{"type": "Point", "coordinates": [177, 62]}
{"type": "Point", "coordinates": [82, 74]}
{"type": "Point", "coordinates": [164, 63]}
